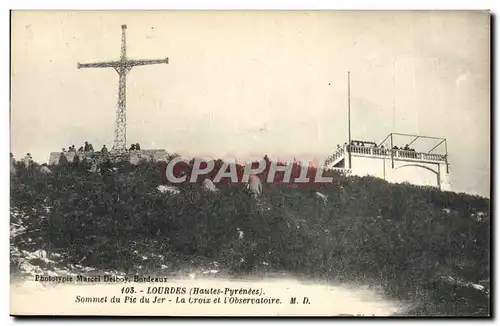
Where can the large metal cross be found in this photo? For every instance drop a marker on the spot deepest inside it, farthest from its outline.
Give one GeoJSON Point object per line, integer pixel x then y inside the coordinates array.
{"type": "Point", "coordinates": [122, 67]}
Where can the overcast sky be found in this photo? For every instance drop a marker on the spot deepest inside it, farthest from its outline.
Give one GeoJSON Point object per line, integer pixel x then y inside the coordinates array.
{"type": "Point", "coordinates": [255, 83]}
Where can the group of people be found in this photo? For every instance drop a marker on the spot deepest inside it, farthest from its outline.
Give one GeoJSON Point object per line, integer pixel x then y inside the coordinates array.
{"type": "Point", "coordinates": [408, 152]}
{"type": "Point", "coordinates": [377, 150]}
{"type": "Point", "coordinates": [87, 147]}
{"type": "Point", "coordinates": [406, 148]}
{"type": "Point", "coordinates": [135, 147]}
{"type": "Point", "coordinates": [63, 160]}
{"type": "Point", "coordinates": [356, 143]}
{"type": "Point", "coordinates": [27, 162]}
{"type": "Point", "coordinates": [94, 162]}
{"type": "Point", "coordinates": [359, 143]}
{"type": "Point", "coordinates": [374, 145]}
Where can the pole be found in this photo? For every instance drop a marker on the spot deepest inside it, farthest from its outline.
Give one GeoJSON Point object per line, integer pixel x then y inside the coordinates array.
{"type": "Point", "coordinates": [446, 155]}
{"type": "Point", "coordinates": [349, 105]}
{"type": "Point", "coordinates": [392, 152]}
{"type": "Point", "coordinates": [349, 116]}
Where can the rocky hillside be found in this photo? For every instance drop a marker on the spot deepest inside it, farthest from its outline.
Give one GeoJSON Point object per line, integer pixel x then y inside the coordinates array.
{"type": "Point", "coordinates": [419, 244]}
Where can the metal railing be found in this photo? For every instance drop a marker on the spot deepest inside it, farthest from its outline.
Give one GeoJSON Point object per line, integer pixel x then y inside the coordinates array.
{"type": "Point", "coordinates": [339, 153]}
{"type": "Point", "coordinates": [385, 152]}
{"type": "Point", "coordinates": [398, 153]}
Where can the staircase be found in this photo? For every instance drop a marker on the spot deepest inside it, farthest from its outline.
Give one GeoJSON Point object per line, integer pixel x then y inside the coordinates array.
{"type": "Point", "coordinates": [336, 158]}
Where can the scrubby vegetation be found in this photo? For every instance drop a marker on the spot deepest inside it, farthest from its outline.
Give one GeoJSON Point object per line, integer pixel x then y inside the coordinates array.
{"type": "Point", "coordinates": [410, 240]}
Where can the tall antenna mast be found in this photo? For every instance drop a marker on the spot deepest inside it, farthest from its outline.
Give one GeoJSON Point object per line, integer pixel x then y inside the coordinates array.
{"type": "Point", "coordinates": [349, 117]}
{"type": "Point", "coordinates": [393, 91]}
{"type": "Point", "coordinates": [349, 105]}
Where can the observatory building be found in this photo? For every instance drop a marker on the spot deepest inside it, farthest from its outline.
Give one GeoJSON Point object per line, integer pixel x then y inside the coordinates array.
{"type": "Point", "coordinates": [396, 164]}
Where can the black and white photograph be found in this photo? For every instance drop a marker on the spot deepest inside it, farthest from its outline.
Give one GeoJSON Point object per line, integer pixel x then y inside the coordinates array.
{"type": "Point", "coordinates": [247, 163]}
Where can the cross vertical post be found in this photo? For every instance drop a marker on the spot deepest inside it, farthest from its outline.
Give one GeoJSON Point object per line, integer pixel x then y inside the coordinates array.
{"type": "Point", "coordinates": [120, 144]}
{"type": "Point", "coordinates": [122, 67]}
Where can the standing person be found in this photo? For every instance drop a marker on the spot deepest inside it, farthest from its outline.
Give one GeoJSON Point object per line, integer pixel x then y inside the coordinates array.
{"type": "Point", "coordinates": [104, 150]}
{"type": "Point", "coordinates": [62, 159]}
{"type": "Point", "coordinates": [76, 160]}
{"type": "Point", "coordinates": [86, 147]}
{"type": "Point", "coordinates": [254, 186]}
{"type": "Point", "coordinates": [28, 160]}
{"type": "Point", "coordinates": [12, 164]}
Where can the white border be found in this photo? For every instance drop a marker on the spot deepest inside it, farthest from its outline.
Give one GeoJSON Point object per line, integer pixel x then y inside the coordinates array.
{"type": "Point", "coordinates": [256, 4]}
{"type": "Point", "coordinates": [177, 5]}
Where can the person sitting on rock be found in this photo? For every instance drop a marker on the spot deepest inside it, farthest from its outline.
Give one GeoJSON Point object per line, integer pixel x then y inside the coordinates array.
{"type": "Point", "coordinates": [132, 147]}
{"type": "Point", "coordinates": [45, 169]}
{"type": "Point", "coordinates": [137, 147]}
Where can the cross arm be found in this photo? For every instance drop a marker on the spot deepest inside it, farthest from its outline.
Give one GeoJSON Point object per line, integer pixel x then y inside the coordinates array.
{"type": "Point", "coordinates": [132, 63]}
{"type": "Point", "coordinates": [106, 64]}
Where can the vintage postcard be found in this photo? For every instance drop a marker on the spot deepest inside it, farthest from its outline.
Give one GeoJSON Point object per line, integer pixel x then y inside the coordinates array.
{"type": "Point", "coordinates": [250, 163]}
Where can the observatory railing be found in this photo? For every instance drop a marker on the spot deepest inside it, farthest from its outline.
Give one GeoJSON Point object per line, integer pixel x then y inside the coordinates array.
{"type": "Point", "coordinates": [397, 153]}
{"type": "Point", "coordinates": [384, 152]}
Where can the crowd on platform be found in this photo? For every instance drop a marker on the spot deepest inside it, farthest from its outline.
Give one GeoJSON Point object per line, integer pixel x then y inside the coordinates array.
{"type": "Point", "coordinates": [76, 161]}
{"type": "Point", "coordinates": [368, 144]}
{"type": "Point", "coordinates": [88, 147]}
{"type": "Point", "coordinates": [405, 151]}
